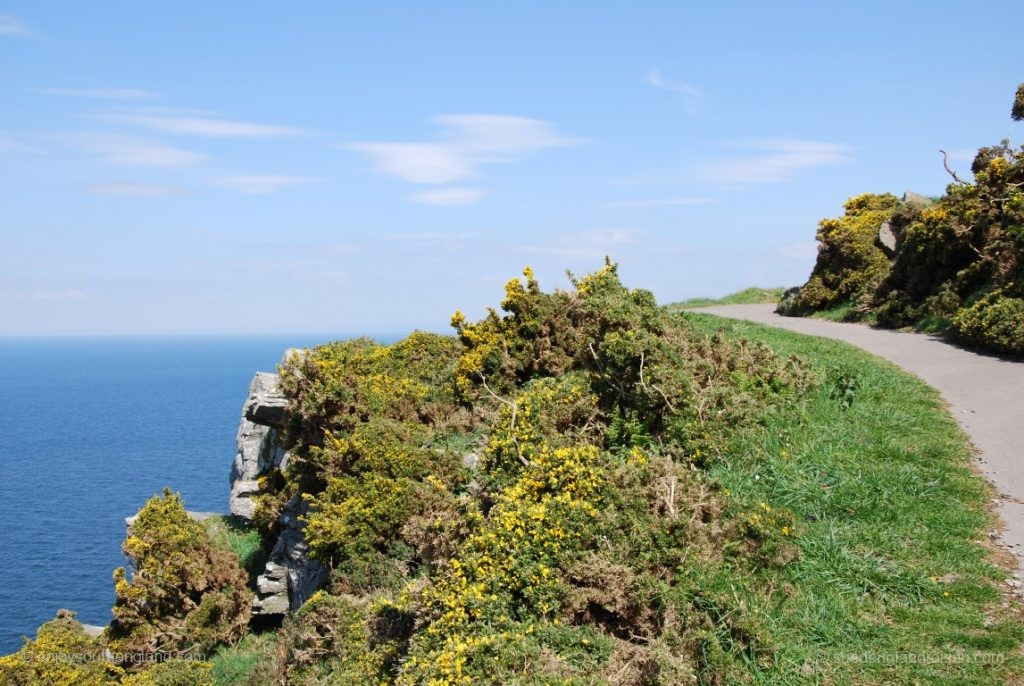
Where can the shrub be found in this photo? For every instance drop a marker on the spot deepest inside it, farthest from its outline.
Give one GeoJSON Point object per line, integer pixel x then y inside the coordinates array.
{"type": "Point", "coordinates": [185, 595]}
{"type": "Point", "coordinates": [969, 242]}
{"type": "Point", "coordinates": [61, 654]}
{"type": "Point", "coordinates": [850, 261]}
{"type": "Point", "coordinates": [995, 322]}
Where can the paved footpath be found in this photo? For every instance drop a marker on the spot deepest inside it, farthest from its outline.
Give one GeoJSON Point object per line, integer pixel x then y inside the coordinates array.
{"type": "Point", "coordinates": [985, 395]}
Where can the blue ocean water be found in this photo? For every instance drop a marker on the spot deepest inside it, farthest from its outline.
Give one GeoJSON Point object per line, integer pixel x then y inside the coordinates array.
{"type": "Point", "coordinates": [89, 429]}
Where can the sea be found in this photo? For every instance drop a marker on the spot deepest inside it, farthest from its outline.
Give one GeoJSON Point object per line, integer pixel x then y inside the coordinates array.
{"type": "Point", "coordinates": [90, 428]}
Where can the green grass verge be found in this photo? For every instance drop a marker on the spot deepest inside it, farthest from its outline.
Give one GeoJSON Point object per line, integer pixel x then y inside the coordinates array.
{"type": "Point", "coordinates": [895, 584]}
{"type": "Point", "coordinates": [748, 296]}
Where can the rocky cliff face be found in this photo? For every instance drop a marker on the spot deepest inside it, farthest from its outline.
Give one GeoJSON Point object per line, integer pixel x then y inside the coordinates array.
{"type": "Point", "coordinates": [290, 576]}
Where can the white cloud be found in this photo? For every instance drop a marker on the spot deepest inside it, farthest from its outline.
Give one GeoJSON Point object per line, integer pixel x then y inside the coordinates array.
{"type": "Point", "coordinates": [258, 184]}
{"type": "Point", "coordinates": [500, 137]}
{"type": "Point", "coordinates": [448, 196]}
{"type": "Point", "coordinates": [468, 142]}
{"type": "Point", "coordinates": [688, 95]}
{"type": "Point", "coordinates": [102, 93]}
{"type": "Point", "coordinates": [773, 161]}
{"type": "Point", "coordinates": [661, 202]}
{"type": "Point", "coordinates": [416, 162]}
{"type": "Point", "coordinates": [131, 150]}
{"type": "Point", "coordinates": [203, 126]}
{"type": "Point", "coordinates": [138, 189]}
{"type": "Point", "coordinates": [10, 26]}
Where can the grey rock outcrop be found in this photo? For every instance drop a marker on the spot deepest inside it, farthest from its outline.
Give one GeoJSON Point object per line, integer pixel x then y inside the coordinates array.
{"type": "Point", "coordinates": [290, 576]}
{"type": "Point", "coordinates": [258, 450]}
{"type": "Point", "coordinates": [886, 237]}
{"type": "Point", "coordinates": [912, 198]}
{"type": "Point", "coordinates": [197, 516]}
{"type": "Point", "coordinates": [266, 404]}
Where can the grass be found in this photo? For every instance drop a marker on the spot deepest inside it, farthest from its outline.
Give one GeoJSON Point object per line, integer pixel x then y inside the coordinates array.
{"type": "Point", "coordinates": [233, 664]}
{"type": "Point", "coordinates": [748, 296]}
{"type": "Point", "coordinates": [240, 537]}
{"type": "Point", "coordinates": [895, 584]}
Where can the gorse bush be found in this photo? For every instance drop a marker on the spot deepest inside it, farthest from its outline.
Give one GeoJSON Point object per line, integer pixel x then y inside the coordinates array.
{"type": "Point", "coordinates": [585, 544]}
{"type": "Point", "coordinates": [851, 263]}
{"type": "Point", "coordinates": [184, 596]}
{"type": "Point", "coordinates": [36, 662]}
{"type": "Point", "coordinates": [958, 264]}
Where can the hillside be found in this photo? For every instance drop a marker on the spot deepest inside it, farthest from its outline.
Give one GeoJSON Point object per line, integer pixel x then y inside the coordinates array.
{"type": "Point", "coordinates": [953, 263]}
{"type": "Point", "coordinates": [583, 488]}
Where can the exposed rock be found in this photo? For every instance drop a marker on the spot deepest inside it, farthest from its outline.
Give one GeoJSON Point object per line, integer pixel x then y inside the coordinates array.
{"type": "Point", "coordinates": [258, 450]}
{"type": "Point", "coordinates": [93, 630]}
{"type": "Point", "coordinates": [887, 238]}
{"type": "Point", "coordinates": [266, 404]}
{"type": "Point", "coordinates": [291, 576]}
{"type": "Point", "coordinates": [912, 198]}
{"type": "Point", "coordinates": [197, 516]}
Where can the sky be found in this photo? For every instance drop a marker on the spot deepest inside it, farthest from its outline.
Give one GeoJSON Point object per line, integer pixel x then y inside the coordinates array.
{"type": "Point", "coordinates": [266, 167]}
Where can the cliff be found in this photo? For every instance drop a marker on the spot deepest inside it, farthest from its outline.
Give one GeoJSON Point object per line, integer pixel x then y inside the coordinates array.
{"type": "Point", "coordinates": [290, 576]}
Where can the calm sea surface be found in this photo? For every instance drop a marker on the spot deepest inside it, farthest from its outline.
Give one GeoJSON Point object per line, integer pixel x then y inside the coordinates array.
{"type": "Point", "coordinates": [91, 428]}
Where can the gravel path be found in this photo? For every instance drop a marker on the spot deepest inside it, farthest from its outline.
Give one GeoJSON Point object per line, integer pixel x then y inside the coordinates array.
{"type": "Point", "coordinates": [985, 395]}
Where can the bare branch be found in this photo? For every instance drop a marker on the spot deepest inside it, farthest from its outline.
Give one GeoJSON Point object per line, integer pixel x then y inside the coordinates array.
{"type": "Point", "coordinates": [513, 408]}
{"type": "Point", "coordinates": [643, 384]}
{"type": "Point", "coordinates": [945, 163]}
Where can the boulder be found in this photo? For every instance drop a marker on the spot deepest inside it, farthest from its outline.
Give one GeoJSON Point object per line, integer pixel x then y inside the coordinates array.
{"type": "Point", "coordinates": [887, 238]}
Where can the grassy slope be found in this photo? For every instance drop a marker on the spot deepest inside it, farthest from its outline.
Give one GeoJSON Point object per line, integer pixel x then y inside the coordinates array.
{"type": "Point", "coordinates": [892, 519]}
{"type": "Point", "coordinates": [748, 296]}
{"type": "Point", "coordinates": [893, 568]}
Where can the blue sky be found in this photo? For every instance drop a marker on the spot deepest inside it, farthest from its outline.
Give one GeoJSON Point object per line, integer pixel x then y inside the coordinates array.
{"type": "Point", "coordinates": [258, 167]}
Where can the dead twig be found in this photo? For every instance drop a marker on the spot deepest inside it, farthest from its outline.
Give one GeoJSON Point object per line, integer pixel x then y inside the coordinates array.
{"type": "Point", "coordinates": [949, 170]}
{"type": "Point", "coordinates": [643, 384]}
{"type": "Point", "coordinates": [513, 409]}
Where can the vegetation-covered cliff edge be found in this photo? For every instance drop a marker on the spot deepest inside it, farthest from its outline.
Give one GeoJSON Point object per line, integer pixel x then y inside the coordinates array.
{"type": "Point", "coordinates": [583, 488]}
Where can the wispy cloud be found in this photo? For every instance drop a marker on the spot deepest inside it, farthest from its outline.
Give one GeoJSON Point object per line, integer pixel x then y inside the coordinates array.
{"type": "Point", "coordinates": [202, 126]}
{"type": "Point", "coordinates": [416, 162]}
{"type": "Point", "coordinates": [137, 189]}
{"type": "Point", "coordinates": [448, 196]}
{"type": "Point", "coordinates": [688, 95]}
{"type": "Point", "coordinates": [259, 184]}
{"type": "Point", "coordinates": [468, 141]}
{"type": "Point", "coordinates": [663, 202]}
{"type": "Point", "coordinates": [10, 26]}
{"type": "Point", "coordinates": [136, 151]}
{"type": "Point", "coordinates": [772, 161]}
{"type": "Point", "coordinates": [101, 93]}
